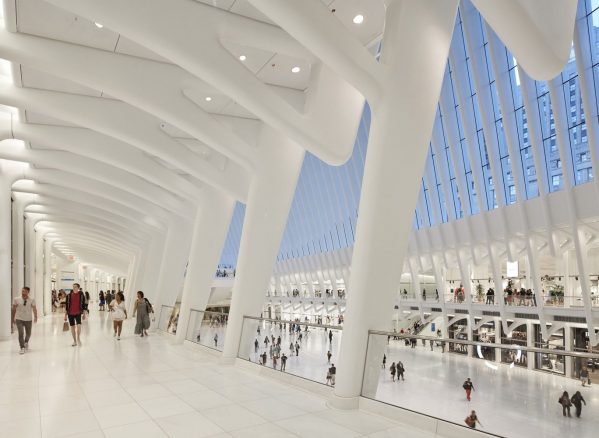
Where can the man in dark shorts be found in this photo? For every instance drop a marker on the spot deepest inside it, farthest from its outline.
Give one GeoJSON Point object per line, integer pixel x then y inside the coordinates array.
{"type": "Point", "coordinates": [73, 311]}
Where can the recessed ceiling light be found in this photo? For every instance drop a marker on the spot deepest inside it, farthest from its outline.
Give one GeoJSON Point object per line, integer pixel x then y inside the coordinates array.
{"type": "Point", "coordinates": [208, 98]}
{"type": "Point", "coordinates": [358, 19]}
{"type": "Point", "coordinates": [99, 25]}
{"type": "Point", "coordinates": [295, 69]}
{"type": "Point", "coordinates": [242, 57]}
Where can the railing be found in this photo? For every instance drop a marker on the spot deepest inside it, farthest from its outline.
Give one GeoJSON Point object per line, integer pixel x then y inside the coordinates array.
{"type": "Point", "coordinates": [207, 328]}
{"type": "Point", "coordinates": [168, 319]}
{"type": "Point", "coordinates": [311, 343]}
{"type": "Point", "coordinates": [433, 382]}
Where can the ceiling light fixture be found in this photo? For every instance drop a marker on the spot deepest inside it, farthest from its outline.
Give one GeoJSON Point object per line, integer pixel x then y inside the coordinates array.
{"type": "Point", "coordinates": [208, 98]}
{"type": "Point", "coordinates": [242, 57]}
{"type": "Point", "coordinates": [358, 19]}
{"type": "Point", "coordinates": [99, 25]}
{"type": "Point", "coordinates": [295, 69]}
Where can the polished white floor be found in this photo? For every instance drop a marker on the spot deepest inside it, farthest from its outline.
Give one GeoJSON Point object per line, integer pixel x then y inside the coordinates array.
{"type": "Point", "coordinates": [512, 402]}
{"type": "Point", "coordinates": [148, 387]}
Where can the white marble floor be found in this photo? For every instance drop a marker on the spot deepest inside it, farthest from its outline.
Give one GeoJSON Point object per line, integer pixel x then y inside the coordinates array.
{"type": "Point", "coordinates": [148, 387]}
{"type": "Point", "coordinates": [512, 402]}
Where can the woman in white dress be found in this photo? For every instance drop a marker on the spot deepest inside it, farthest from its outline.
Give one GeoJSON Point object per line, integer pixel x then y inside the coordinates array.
{"type": "Point", "coordinates": [119, 313]}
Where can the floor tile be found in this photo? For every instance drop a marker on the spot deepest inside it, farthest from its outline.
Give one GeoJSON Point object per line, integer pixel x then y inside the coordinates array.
{"type": "Point", "coordinates": [192, 424]}
{"type": "Point", "coordinates": [231, 417]}
{"type": "Point", "coordinates": [165, 406]}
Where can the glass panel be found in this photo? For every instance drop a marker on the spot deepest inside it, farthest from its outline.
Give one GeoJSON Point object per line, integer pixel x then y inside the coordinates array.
{"type": "Point", "coordinates": [437, 368]}
{"type": "Point", "coordinates": [207, 328]}
{"type": "Point", "coordinates": [296, 348]}
{"type": "Point", "coordinates": [168, 319]}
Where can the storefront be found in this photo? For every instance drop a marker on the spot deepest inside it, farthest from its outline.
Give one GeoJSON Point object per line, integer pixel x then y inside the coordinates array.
{"type": "Point", "coordinates": [580, 343]}
{"type": "Point", "coordinates": [518, 337]}
{"type": "Point", "coordinates": [484, 334]}
{"type": "Point", "coordinates": [458, 330]}
{"type": "Point", "coordinates": [551, 362]}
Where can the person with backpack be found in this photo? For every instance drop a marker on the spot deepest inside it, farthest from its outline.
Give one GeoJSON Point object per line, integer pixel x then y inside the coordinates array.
{"type": "Point", "coordinates": [392, 371]}
{"type": "Point", "coordinates": [472, 419]}
{"type": "Point", "coordinates": [468, 387]}
{"type": "Point", "coordinates": [566, 403]}
{"type": "Point", "coordinates": [142, 308]}
{"type": "Point", "coordinates": [400, 370]}
{"type": "Point", "coordinates": [75, 305]}
{"type": "Point", "coordinates": [577, 400]}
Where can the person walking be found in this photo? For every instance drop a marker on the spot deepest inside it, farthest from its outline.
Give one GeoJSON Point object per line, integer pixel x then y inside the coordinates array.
{"type": "Point", "coordinates": [215, 340]}
{"type": "Point", "coordinates": [384, 361]}
{"type": "Point", "coordinates": [329, 356]}
{"type": "Point", "coordinates": [331, 336]}
{"type": "Point", "coordinates": [468, 387]}
{"type": "Point", "coordinates": [333, 371]}
{"type": "Point", "coordinates": [328, 377]}
{"type": "Point", "coordinates": [584, 376]}
{"type": "Point", "coordinates": [291, 348]}
{"type": "Point", "coordinates": [256, 345]}
{"type": "Point", "coordinates": [392, 370]}
{"type": "Point", "coordinates": [142, 308]}
{"type": "Point", "coordinates": [472, 419]}
{"type": "Point", "coordinates": [565, 401]}
{"type": "Point", "coordinates": [101, 301]}
{"type": "Point", "coordinates": [22, 309]}
{"type": "Point", "coordinates": [73, 310]}
{"type": "Point", "coordinates": [283, 362]}
{"type": "Point", "coordinates": [119, 314]}
{"type": "Point", "coordinates": [577, 400]}
{"type": "Point", "coordinates": [297, 348]}
{"type": "Point", "coordinates": [400, 370]}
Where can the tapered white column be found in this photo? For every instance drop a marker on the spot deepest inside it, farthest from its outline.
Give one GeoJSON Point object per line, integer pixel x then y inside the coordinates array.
{"type": "Point", "coordinates": [47, 275]}
{"type": "Point", "coordinates": [38, 272]}
{"type": "Point", "coordinates": [399, 137]}
{"type": "Point", "coordinates": [175, 257]}
{"type": "Point", "coordinates": [209, 233]}
{"type": "Point", "coordinates": [269, 200]}
{"type": "Point", "coordinates": [18, 248]}
{"type": "Point", "coordinates": [30, 257]}
{"type": "Point", "coordinates": [5, 254]}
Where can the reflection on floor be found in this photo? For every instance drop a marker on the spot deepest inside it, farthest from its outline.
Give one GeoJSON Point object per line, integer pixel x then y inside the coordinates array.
{"type": "Point", "coordinates": [148, 387]}
{"type": "Point", "coordinates": [511, 402]}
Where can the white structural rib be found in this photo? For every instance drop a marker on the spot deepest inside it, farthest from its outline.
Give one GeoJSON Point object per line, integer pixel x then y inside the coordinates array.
{"type": "Point", "coordinates": [537, 32]}
{"type": "Point", "coordinates": [172, 29]}
{"type": "Point", "coordinates": [152, 86]}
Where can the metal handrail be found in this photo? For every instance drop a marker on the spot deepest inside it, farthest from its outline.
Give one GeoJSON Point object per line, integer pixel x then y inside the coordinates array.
{"type": "Point", "coordinates": [488, 344]}
{"type": "Point", "coordinates": [281, 321]}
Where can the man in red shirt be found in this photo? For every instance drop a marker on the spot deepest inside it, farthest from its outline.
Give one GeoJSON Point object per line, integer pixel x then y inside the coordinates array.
{"type": "Point", "coordinates": [73, 310]}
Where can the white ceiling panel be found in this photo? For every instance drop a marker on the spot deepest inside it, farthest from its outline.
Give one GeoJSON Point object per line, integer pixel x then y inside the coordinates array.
{"type": "Point", "coordinates": [33, 78]}
{"type": "Point", "coordinates": [37, 17]}
{"type": "Point", "coordinates": [255, 59]}
{"type": "Point", "coordinates": [236, 110]}
{"type": "Point", "coordinates": [243, 7]}
{"type": "Point", "coordinates": [278, 72]}
{"type": "Point", "coordinates": [221, 4]}
{"type": "Point", "coordinates": [128, 47]}
{"type": "Point", "coordinates": [42, 119]}
{"type": "Point", "coordinates": [373, 12]}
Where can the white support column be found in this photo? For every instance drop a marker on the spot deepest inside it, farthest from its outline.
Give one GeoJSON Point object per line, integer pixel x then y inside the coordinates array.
{"type": "Point", "coordinates": [530, 342]}
{"type": "Point", "coordinates": [5, 254]}
{"type": "Point", "coordinates": [270, 195]}
{"type": "Point", "coordinates": [172, 267]}
{"type": "Point", "coordinates": [17, 248]}
{"type": "Point", "coordinates": [568, 347]}
{"type": "Point", "coordinates": [47, 282]}
{"type": "Point", "coordinates": [209, 233]}
{"type": "Point", "coordinates": [30, 257]}
{"type": "Point", "coordinates": [38, 274]}
{"type": "Point", "coordinates": [396, 156]}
